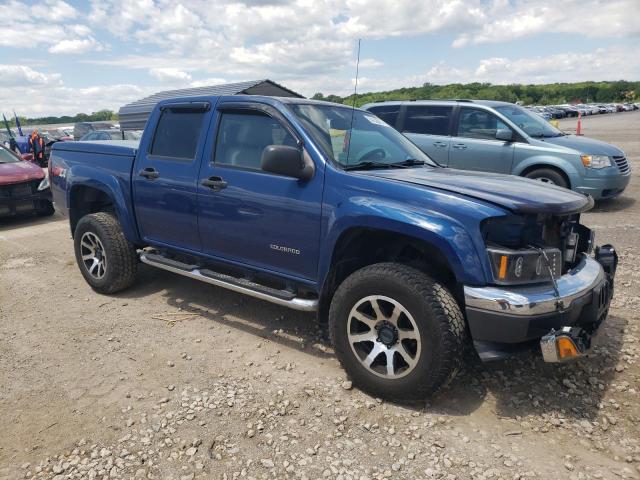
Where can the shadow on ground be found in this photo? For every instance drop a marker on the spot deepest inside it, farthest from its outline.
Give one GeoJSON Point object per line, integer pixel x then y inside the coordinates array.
{"type": "Point", "coordinates": [525, 386]}
{"type": "Point", "coordinates": [613, 205]}
{"type": "Point", "coordinates": [297, 330]}
{"type": "Point", "coordinates": [521, 386]}
{"type": "Point", "coordinates": [26, 220]}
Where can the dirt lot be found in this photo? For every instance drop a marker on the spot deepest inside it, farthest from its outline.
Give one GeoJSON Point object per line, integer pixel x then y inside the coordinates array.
{"type": "Point", "coordinates": [174, 379]}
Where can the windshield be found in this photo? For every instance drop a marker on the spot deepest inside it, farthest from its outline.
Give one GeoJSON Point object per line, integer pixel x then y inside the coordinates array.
{"type": "Point", "coordinates": [532, 124]}
{"type": "Point", "coordinates": [371, 139]}
{"type": "Point", "coordinates": [7, 157]}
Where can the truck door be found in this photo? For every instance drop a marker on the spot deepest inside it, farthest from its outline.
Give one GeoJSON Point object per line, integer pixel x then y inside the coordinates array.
{"type": "Point", "coordinates": [475, 147]}
{"type": "Point", "coordinates": [165, 176]}
{"type": "Point", "coordinates": [250, 216]}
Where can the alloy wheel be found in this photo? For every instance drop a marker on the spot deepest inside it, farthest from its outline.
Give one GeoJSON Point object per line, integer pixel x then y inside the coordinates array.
{"type": "Point", "coordinates": [384, 336]}
{"type": "Point", "coordinates": [93, 255]}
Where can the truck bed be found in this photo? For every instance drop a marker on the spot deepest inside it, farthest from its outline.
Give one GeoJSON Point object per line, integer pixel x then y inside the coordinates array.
{"type": "Point", "coordinates": [126, 148]}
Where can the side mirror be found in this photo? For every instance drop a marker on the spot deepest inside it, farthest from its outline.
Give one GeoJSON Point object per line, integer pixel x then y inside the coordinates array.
{"type": "Point", "coordinates": [287, 161]}
{"type": "Point", "coordinates": [504, 134]}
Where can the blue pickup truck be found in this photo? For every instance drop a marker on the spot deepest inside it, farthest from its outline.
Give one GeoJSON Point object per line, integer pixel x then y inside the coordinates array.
{"type": "Point", "coordinates": [320, 207]}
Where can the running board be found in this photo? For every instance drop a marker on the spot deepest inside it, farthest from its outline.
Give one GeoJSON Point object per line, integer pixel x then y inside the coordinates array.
{"type": "Point", "coordinates": [279, 297]}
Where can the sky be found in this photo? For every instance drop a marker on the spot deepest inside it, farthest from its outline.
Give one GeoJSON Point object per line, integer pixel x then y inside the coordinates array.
{"type": "Point", "coordinates": [64, 57]}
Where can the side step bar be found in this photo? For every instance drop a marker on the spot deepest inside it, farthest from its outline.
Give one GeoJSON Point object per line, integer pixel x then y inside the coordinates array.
{"type": "Point", "coordinates": [279, 297]}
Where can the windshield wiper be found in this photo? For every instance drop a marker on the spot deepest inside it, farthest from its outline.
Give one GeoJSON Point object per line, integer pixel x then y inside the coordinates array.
{"type": "Point", "coordinates": [371, 166]}
{"type": "Point", "coordinates": [410, 162]}
{"type": "Point", "coordinates": [546, 135]}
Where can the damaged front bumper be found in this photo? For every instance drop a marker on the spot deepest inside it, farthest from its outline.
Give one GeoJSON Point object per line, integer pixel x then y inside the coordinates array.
{"type": "Point", "coordinates": [25, 200]}
{"type": "Point", "coordinates": [563, 319]}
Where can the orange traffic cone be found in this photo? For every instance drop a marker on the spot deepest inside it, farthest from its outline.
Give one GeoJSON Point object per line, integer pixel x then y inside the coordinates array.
{"type": "Point", "coordinates": [579, 129]}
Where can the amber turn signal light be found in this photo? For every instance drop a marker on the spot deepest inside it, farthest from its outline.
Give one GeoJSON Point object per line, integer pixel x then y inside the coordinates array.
{"type": "Point", "coordinates": [502, 273]}
{"type": "Point", "coordinates": [566, 348]}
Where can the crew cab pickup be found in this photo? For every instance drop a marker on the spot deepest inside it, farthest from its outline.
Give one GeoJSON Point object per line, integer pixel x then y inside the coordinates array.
{"type": "Point", "coordinates": [319, 207]}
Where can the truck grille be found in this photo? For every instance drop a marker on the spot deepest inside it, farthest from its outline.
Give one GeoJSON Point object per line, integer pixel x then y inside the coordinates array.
{"type": "Point", "coordinates": [18, 190]}
{"type": "Point", "coordinates": [623, 164]}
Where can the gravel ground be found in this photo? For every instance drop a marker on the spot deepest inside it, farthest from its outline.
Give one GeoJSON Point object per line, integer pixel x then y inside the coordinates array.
{"type": "Point", "coordinates": [174, 379]}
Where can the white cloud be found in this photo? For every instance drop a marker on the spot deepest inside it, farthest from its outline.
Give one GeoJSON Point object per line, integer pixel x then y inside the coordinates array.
{"type": "Point", "coordinates": [20, 76]}
{"type": "Point", "coordinates": [206, 82]}
{"type": "Point", "coordinates": [169, 75]}
{"type": "Point", "coordinates": [75, 46]}
{"type": "Point", "coordinates": [54, 11]}
{"type": "Point", "coordinates": [44, 24]}
{"type": "Point", "coordinates": [504, 21]}
{"type": "Point", "coordinates": [369, 63]}
{"type": "Point", "coordinates": [309, 45]}
{"type": "Point", "coordinates": [599, 65]}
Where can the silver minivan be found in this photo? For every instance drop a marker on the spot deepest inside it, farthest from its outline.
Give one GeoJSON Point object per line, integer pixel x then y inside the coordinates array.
{"type": "Point", "coordinates": [492, 136]}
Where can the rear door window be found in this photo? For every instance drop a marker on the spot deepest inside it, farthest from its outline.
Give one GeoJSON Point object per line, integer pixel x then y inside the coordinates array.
{"type": "Point", "coordinates": [475, 123]}
{"type": "Point", "coordinates": [177, 133]}
{"type": "Point", "coordinates": [427, 119]}
{"type": "Point", "coordinates": [388, 113]}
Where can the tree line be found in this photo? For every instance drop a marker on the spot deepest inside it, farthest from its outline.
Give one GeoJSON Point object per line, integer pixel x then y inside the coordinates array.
{"type": "Point", "coordinates": [99, 116]}
{"type": "Point", "coordinates": [545, 94]}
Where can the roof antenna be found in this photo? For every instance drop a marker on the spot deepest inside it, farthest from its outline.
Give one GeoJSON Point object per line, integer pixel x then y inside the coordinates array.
{"type": "Point", "coordinates": [353, 106]}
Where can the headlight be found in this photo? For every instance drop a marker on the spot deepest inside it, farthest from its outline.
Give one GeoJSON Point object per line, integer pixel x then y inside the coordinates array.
{"type": "Point", "coordinates": [596, 161]}
{"type": "Point", "coordinates": [513, 267]}
{"type": "Point", "coordinates": [44, 184]}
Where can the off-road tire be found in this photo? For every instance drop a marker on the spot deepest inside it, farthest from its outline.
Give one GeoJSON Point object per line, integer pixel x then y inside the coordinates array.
{"type": "Point", "coordinates": [556, 177]}
{"type": "Point", "coordinates": [121, 255]}
{"type": "Point", "coordinates": [438, 316]}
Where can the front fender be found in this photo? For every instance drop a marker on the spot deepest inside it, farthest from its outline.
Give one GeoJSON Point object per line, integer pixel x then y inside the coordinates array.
{"type": "Point", "coordinates": [446, 234]}
{"type": "Point", "coordinates": [116, 187]}
{"type": "Point", "coordinates": [566, 165]}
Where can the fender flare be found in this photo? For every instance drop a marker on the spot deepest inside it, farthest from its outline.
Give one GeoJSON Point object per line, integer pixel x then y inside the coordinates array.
{"type": "Point", "coordinates": [443, 233]}
{"type": "Point", "coordinates": [113, 188]}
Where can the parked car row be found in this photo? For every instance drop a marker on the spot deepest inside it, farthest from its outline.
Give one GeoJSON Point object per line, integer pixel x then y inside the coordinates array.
{"type": "Point", "coordinates": [501, 137]}
{"type": "Point", "coordinates": [550, 112]}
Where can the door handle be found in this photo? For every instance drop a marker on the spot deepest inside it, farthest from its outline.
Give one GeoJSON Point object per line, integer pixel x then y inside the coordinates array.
{"type": "Point", "coordinates": [439, 144]}
{"type": "Point", "coordinates": [460, 146]}
{"type": "Point", "coordinates": [214, 183]}
{"type": "Point", "coordinates": [149, 173]}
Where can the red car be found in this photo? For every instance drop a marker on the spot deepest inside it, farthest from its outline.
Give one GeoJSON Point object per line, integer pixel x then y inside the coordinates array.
{"type": "Point", "coordinates": [24, 186]}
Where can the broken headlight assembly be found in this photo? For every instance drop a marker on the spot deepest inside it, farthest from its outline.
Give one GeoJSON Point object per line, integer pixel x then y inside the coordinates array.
{"type": "Point", "coordinates": [529, 249]}
{"type": "Point", "coordinates": [526, 265]}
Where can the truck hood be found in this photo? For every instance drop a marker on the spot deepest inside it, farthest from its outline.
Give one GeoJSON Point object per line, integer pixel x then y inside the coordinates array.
{"type": "Point", "coordinates": [520, 195]}
{"type": "Point", "coordinates": [584, 145]}
{"type": "Point", "coordinates": [19, 172]}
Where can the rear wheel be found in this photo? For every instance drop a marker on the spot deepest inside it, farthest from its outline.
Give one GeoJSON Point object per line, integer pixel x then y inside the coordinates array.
{"type": "Point", "coordinates": [398, 333]}
{"type": "Point", "coordinates": [107, 260]}
{"type": "Point", "coordinates": [548, 175]}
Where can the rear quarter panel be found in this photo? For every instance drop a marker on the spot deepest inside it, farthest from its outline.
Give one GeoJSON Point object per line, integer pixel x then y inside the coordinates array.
{"type": "Point", "coordinates": [107, 170]}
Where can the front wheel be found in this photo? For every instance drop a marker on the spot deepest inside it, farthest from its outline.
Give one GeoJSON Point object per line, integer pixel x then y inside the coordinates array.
{"type": "Point", "coordinates": [398, 333]}
{"type": "Point", "coordinates": [549, 176]}
{"type": "Point", "coordinates": [107, 260]}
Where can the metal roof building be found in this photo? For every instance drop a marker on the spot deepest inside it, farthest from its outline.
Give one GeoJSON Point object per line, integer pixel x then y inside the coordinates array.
{"type": "Point", "coordinates": [134, 115]}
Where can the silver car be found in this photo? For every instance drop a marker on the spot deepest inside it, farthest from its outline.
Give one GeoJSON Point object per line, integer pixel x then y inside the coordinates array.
{"type": "Point", "coordinates": [501, 137]}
